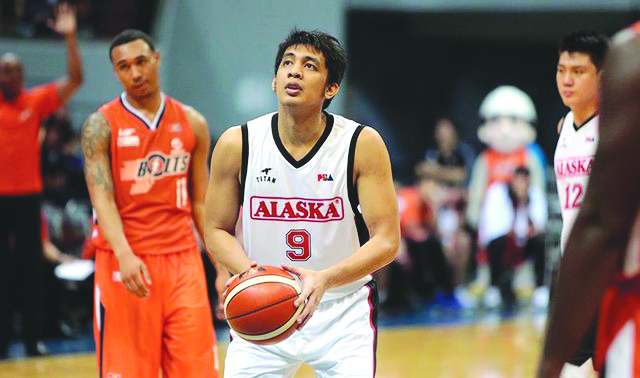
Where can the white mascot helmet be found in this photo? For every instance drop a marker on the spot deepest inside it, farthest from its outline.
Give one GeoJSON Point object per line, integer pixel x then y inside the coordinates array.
{"type": "Point", "coordinates": [508, 115]}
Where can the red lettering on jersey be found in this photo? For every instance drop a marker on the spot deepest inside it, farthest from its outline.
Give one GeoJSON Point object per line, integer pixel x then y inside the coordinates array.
{"type": "Point", "coordinates": [287, 212]}
{"type": "Point", "coordinates": [579, 166]}
{"type": "Point", "coordinates": [262, 208]}
{"type": "Point", "coordinates": [314, 209]}
{"type": "Point", "coordinates": [297, 209]}
{"type": "Point", "coordinates": [302, 210]}
{"type": "Point", "coordinates": [332, 211]}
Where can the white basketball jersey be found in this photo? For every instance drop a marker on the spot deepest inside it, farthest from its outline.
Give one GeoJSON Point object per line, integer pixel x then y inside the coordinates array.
{"type": "Point", "coordinates": [302, 213]}
{"type": "Point", "coordinates": [572, 161]}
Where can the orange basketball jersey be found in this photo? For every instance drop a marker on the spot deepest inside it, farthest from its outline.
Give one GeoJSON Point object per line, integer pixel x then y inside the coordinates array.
{"type": "Point", "coordinates": [501, 166]}
{"type": "Point", "coordinates": [150, 164]}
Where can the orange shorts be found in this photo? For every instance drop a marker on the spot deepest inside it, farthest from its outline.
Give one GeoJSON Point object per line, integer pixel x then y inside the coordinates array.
{"type": "Point", "coordinates": [171, 329]}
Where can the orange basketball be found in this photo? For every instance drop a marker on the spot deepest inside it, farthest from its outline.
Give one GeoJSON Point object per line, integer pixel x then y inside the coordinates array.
{"type": "Point", "coordinates": [259, 304]}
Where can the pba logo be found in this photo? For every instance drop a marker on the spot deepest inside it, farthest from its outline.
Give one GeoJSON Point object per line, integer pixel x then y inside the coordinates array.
{"type": "Point", "coordinates": [324, 177]}
{"type": "Point", "coordinates": [157, 164]}
{"type": "Point", "coordinates": [294, 209]}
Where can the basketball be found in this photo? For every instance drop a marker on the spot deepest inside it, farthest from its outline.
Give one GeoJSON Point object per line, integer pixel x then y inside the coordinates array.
{"type": "Point", "coordinates": [259, 305]}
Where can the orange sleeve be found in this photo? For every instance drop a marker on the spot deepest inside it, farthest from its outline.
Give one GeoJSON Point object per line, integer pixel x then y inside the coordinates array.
{"type": "Point", "coordinates": [410, 209]}
{"type": "Point", "coordinates": [48, 99]}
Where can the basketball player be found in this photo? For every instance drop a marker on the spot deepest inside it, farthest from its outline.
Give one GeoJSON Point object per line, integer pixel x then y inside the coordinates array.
{"type": "Point", "coordinates": [578, 79]}
{"type": "Point", "coordinates": [602, 253]}
{"type": "Point", "coordinates": [313, 187]}
{"type": "Point", "coordinates": [145, 163]}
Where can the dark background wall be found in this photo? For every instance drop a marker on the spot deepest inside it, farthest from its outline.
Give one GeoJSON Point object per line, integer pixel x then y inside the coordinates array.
{"type": "Point", "coordinates": [407, 69]}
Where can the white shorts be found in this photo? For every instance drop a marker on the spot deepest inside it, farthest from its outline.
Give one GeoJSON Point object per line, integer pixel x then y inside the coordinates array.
{"type": "Point", "coordinates": [338, 341]}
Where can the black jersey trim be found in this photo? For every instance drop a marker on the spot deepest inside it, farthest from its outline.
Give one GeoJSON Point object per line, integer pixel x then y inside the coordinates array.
{"type": "Point", "coordinates": [373, 318]}
{"type": "Point", "coordinates": [352, 190]}
{"type": "Point", "coordinates": [577, 127]}
{"type": "Point", "coordinates": [299, 163]}
{"type": "Point", "coordinates": [156, 123]}
{"type": "Point", "coordinates": [245, 160]}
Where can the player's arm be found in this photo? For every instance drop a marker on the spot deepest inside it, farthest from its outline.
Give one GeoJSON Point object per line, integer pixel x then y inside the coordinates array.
{"type": "Point", "coordinates": [602, 230]}
{"type": "Point", "coordinates": [222, 203]}
{"type": "Point", "coordinates": [198, 186]}
{"type": "Point", "coordinates": [199, 175]}
{"type": "Point", "coordinates": [96, 136]}
{"type": "Point", "coordinates": [372, 170]}
{"type": "Point", "coordinates": [65, 24]}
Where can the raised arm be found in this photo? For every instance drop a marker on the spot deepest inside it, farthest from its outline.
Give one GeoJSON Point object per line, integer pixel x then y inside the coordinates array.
{"type": "Point", "coordinates": [612, 201]}
{"type": "Point", "coordinates": [65, 24]}
{"type": "Point", "coordinates": [372, 171]}
{"type": "Point", "coordinates": [222, 203]}
{"type": "Point", "coordinates": [96, 136]}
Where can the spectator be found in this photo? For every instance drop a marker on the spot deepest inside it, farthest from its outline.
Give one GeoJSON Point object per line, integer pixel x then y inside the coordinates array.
{"type": "Point", "coordinates": [452, 158]}
{"type": "Point", "coordinates": [511, 226]}
{"type": "Point", "coordinates": [21, 112]}
{"type": "Point", "coordinates": [421, 263]}
{"type": "Point", "coordinates": [62, 172]}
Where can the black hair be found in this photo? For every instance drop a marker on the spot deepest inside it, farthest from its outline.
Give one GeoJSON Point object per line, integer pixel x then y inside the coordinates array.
{"type": "Point", "coordinates": [521, 170]}
{"type": "Point", "coordinates": [587, 42]}
{"type": "Point", "coordinates": [335, 58]}
{"type": "Point", "coordinates": [130, 35]}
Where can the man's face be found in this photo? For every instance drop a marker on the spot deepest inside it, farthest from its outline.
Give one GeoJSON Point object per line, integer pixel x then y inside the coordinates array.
{"type": "Point", "coordinates": [301, 79]}
{"type": "Point", "coordinates": [520, 186]}
{"type": "Point", "coordinates": [577, 79]}
{"type": "Point", "coordinates": [10, 76]}
{"type": "Point", "coordinates": [446, 136]}
{"type": "Point", "coordinates": [136, 66]}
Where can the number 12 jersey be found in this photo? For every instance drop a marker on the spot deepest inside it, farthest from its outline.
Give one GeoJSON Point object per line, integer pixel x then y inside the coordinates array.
{"type": "Point", "coordinates": [573, 160]}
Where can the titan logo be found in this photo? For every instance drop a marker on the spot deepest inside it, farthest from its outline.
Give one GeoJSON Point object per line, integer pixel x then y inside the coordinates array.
{"type": "Point", "coordinates": [265, 176]}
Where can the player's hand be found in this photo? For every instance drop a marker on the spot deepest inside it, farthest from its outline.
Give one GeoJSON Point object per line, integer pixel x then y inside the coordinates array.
{"type": "Point", "coordinates": [222, 278]}
{"type": "Point", "coordinates": [252, 264]}
{"type": "Point", "coordinates": [314, 285]}
{"type": "Point", "coordinates": [134, 273]}
{"type": "Point", "coordinates": [65, 21]}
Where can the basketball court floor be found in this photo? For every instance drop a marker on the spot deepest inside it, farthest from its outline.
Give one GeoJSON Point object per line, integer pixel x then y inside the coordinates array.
{"type": "Point", "coordinates": [423, 344]}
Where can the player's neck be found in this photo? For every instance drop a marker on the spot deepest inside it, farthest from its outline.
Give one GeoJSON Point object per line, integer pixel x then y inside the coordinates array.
{"type": "Point", "coordinates": [148, 104]}
{"type": "Point", "coordinates": [584, 113]}
{"type": "Point", "coordinates": [298, 129]}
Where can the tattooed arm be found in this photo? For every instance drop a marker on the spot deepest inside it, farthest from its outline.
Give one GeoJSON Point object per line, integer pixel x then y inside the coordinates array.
{"type": "Point", "coordinates": [96, 137]}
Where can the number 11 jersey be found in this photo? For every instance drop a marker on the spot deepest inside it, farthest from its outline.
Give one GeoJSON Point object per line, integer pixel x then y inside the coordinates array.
{"type": "Point", "coordinates": [573, 160]}
{"type": "Point", "coordinates": [301, 212]}
{"type": "Point", "coordinates": [150, 166]}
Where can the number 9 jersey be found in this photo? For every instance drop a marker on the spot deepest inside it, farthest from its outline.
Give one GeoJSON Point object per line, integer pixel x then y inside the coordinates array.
{"type": "Point", "coordinates": [573, 160]}
{"type": "Point", "coordinates": [301, 212]}
{"type": "Point", "coordinates": [150, 165]}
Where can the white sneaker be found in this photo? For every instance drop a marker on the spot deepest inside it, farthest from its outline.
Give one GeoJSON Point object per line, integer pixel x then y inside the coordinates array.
{"type": "Point", "coordinates": [540, 298]}
{"type": "Point", "coordinates": [465, 298]}
{"type": "Point", "coordinates": [492, 298]}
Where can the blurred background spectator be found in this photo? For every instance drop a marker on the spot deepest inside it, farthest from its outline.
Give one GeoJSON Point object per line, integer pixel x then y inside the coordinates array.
{"type": "Point", "coordinates": [61, 159]}
{"type": "Point", "coordinates": [511, 228]}
{"type": "Point", "coordinates": [452, 158]}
